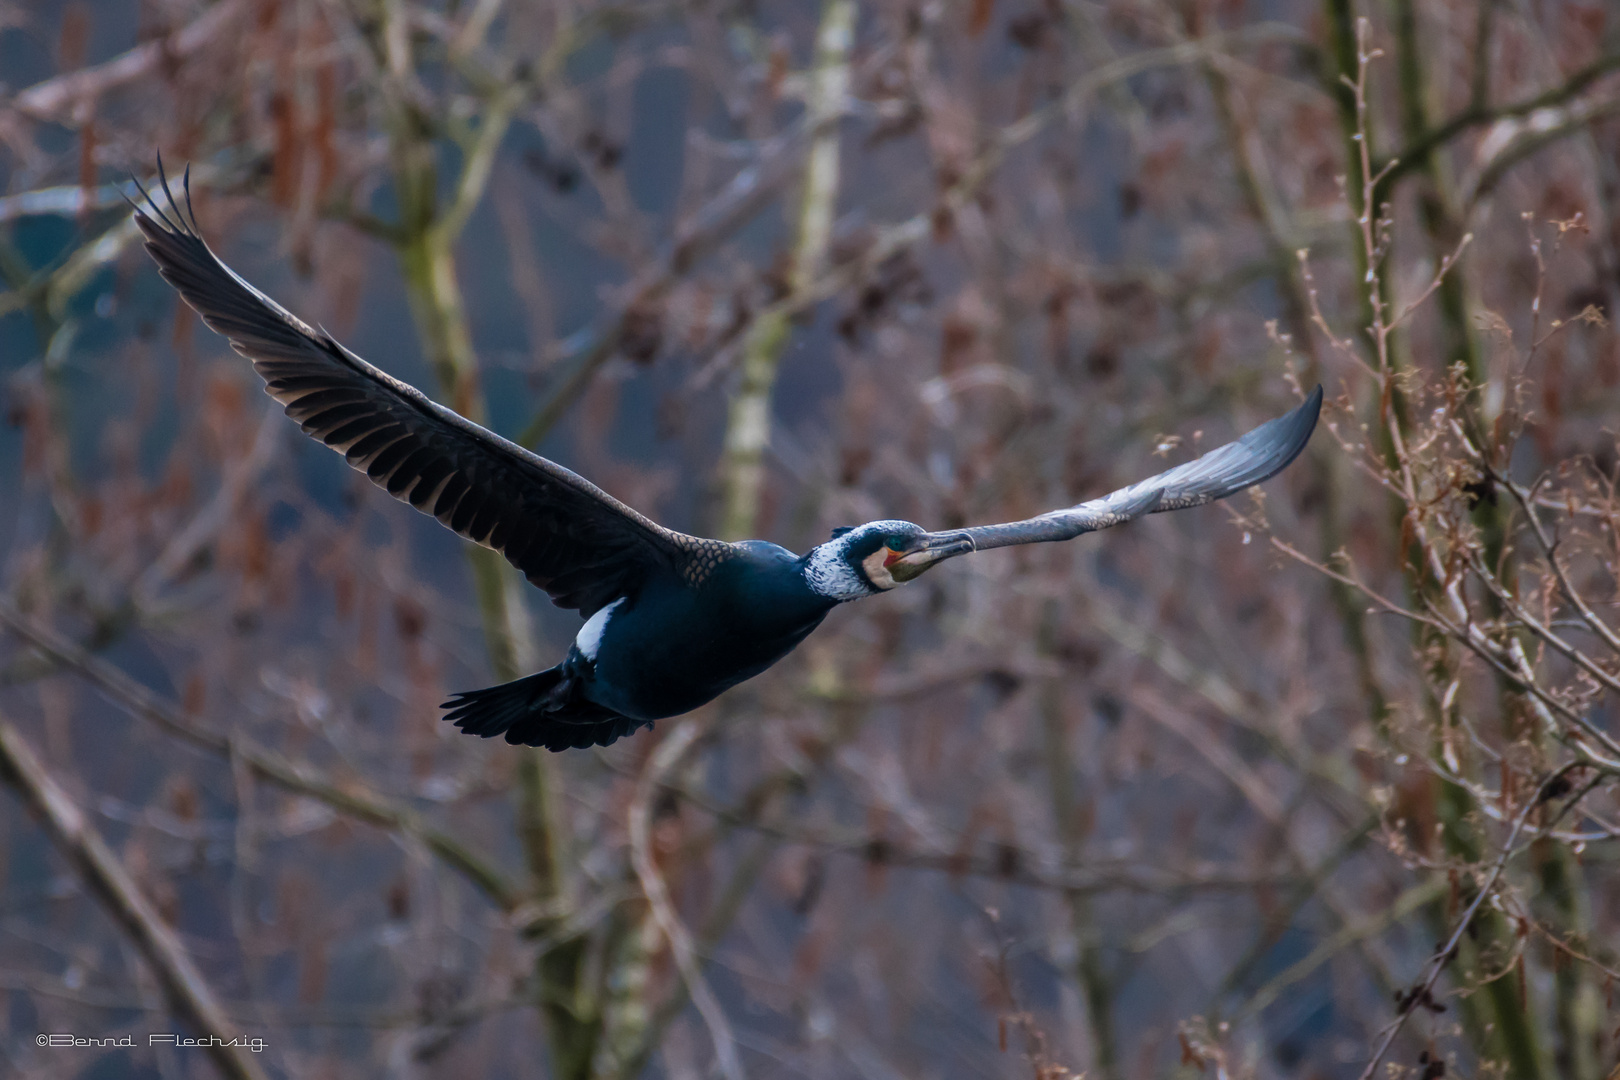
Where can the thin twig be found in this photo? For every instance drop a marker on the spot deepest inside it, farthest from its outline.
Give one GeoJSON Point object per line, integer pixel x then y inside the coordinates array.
{"type": "Point", "coordinates": [1417, 151]}
{"type": "Point", "coordinates": [1423, 990]}
{"type": "Point", "coordinates": [184, 545]}
{"type": "Point", "coordinates": [664, 761]}
{"type": "Point", "coordinates": [1405, 904]}
{"type": "Point", "coordinates": [1549, 552]}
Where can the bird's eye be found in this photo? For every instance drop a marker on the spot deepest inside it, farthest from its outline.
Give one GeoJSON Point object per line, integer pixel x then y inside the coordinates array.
{"type": "Point", "coordinates": [895, 543]}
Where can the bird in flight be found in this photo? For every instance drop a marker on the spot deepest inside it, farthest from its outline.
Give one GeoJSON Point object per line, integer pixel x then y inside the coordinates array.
{"type": "Point", "coordinates": [671, 621]}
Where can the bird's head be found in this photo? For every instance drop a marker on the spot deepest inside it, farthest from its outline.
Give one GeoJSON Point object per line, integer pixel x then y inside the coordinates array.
{"type": "Point", "coordinates": [875, 557]}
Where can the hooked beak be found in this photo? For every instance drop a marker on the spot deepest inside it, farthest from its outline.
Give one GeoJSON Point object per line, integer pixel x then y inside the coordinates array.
{"type": "Point", "coordinates": [929, 549]}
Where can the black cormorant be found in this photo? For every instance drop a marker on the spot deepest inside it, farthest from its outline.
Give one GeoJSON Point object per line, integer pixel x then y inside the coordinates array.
{"type": "Point", "coordinates": [671, 620]}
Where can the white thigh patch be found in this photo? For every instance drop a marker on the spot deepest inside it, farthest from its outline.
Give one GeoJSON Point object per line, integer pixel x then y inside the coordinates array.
{"type": "Point", "coordinates": [590, 635]}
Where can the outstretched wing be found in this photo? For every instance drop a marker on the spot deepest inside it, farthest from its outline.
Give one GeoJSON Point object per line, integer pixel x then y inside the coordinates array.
{"type": "Point", "coordinates": [575, 541]}
{"type": "Point", "coordinates": [1226, 470]}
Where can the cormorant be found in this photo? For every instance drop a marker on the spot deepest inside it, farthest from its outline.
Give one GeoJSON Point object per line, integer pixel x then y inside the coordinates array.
{"type": "Point", "coordinates": [671, 621]}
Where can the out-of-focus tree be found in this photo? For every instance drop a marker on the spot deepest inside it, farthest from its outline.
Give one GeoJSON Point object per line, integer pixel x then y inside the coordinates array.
{"type": "Point", "coordinates": [1315, 784]}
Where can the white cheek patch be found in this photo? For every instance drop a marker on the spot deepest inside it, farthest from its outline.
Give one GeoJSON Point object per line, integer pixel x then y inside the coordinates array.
{"type": "Point", "coordinates": [590, 635]}
{"type": "Point", "coordinates": [876, 572]}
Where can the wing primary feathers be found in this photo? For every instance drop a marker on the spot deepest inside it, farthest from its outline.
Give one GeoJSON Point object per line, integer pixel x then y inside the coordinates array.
{"type": "Point", "coordinates": [553, 524]}
{"type": "Point", "coordinates": [1224, 471]}
{"type": "Point", "coordinates": [1250, 460]}
{"type": "Point", "coordinates": [178, 222]}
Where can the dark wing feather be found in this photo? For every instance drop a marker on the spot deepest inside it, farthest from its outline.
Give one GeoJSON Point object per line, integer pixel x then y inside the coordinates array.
{"type": "Point", "coordinates": [1226, 470]}
{"type": "Point", "coordinates": [579, 544]}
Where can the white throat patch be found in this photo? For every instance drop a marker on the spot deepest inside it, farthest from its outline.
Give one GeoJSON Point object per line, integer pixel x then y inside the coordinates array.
{"type": "Point", "coordinates": [590, 635]}
{"type": "Point", "coordinates": [829, 574]}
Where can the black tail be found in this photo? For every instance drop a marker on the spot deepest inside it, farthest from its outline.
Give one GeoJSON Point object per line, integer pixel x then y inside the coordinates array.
{"type": "Point", "coordinates": [540, 710]}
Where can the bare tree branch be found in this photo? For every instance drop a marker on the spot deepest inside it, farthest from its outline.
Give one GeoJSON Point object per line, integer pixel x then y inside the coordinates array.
{"type": "Point", "coordinates": [188, 993]}
{"type": "Point", "coordinates": [349, 798]}
{"type": "Point", "coordinates": [664, 761]}
{"type": "Point", "coordinates": [60, 99]}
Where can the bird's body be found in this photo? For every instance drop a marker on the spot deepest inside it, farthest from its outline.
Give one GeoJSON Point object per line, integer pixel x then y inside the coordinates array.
{"type": "Point", "coordinates": [748, 614]}
{"type": "Point", "coordinates": [671, 620]}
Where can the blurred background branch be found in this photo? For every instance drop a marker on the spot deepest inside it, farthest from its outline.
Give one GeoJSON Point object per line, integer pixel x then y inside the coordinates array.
{"type": "Point", "coordinates": [764, 270]}
{"type": "Point", "coordinates": [188, 993]}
